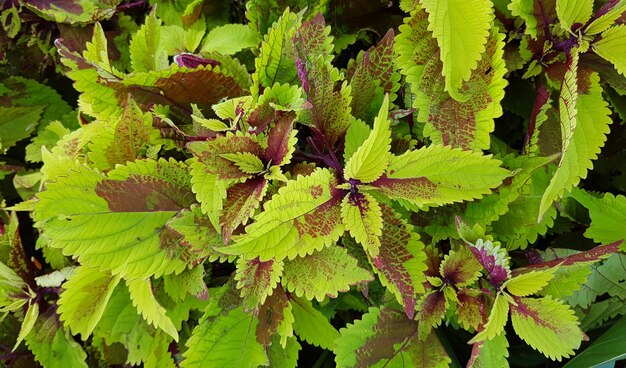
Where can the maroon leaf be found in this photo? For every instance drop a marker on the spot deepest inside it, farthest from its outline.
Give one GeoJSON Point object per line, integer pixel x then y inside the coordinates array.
{"type": "Point", "coordinates": [208, 153]}
{"type": "Point", "coordinates": [470, 310]}
{"type": "Point", "coordinates": [432, 310]}
{"type": "Point", "coordinates": [193, 61]}
{"type": "Point", "coordinates": [272, 315]}
{"type": "Point", "coordinates": [278, 139]}
{"type": "Point", "coordinates": [493, 259]}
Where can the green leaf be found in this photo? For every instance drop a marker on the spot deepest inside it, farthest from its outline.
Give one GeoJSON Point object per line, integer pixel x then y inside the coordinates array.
{"type": "Point", "coordinates": [323, 274]}
{"type": "Point", "coordinates": [466, 124]}
{"type": "Point", "coordinates": [547, 325]}
{"type": "Point", "coordinates": [586, 139]}
{"type": "Point", "coordinates": [276, 63]}
{"type": "Point", "coordinates": [495, 323]}
{"type": "Point", "coordinates": [54, 347]}
{"type": "Point", "coordinates": [529, 283]}
{"type": "Point", "coordinates": [440, 175]}
{"type": "Point", "coordinates": [27, 325]}
{"type": "Point", "coordinates": [303, 217]}
{"type": "Point", "coordinates": [85, 298]}
{"type": "Point", "coordinates": [604, 350]}
{"type": "Point", "coordinates": [225, 341]}
{"type": "Point", "coordinates": [128, 209]}
{"type": "Point", "coordinates": [607, 19]}
{"type": "Point", "coordinates": [356, 134]}
{"type": "Point", "coordinates": [490, 353]}
{"type": "Point", "coordinates": [362, 217]}
{"type": "Point", "coordinates": [147, 52]}
{"type": "Point", "coordinates": [400, 264]}
{"type": "Point", "coordinates": [461, 29]}
{"type": "Point", "coordinates": [311, 325]}
{"type": "Point", "coordinates": [229, 39]}
{"type": "Point", "coordinates": [574, 12]}
{"type": "Point", "coordinates": [17, 123]}
{"type": "Point", "coordinates": [143, 298]}
{"type": "Point", "coordinates": [257, 280]}
{"type": "Point", "coordinates": [287, 356]}
{"type": "Point", "coordinates": [608, 215]}
{"type": "Point", "coordinates": [245, 161]}
{"type": "Point", "coordinates": [610, 47]}
{"type": "Point", "coordinates": [525, 10]}
{"type": "Point", "coordinates": [370, 160]}
{"type": "Point", "coordinates": [386, 338]}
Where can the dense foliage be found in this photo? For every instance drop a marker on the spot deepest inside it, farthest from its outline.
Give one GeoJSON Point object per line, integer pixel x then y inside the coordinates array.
{"type": "Point", "coordinates": [350, 183]}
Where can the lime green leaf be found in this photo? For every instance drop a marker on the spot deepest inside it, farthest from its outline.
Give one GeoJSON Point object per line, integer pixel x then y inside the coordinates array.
{"type": "Point", "coordinates": [210, 191]}
{"type": "Point", "coordinates": [128, 208]}
{"type": "Point", "coordinates": [225, 341]}
{"type": "Point", "coordinates": [362, 217]}
{"type": "Point", "coordinates": [53, 347]}
{"type": "Point", "coordinates": [229, 39]}
{"type": "Point", "coordinates": [461, 29]}
{"type": "Point", "coordinates": [190, 281]}
{"type": "Point", "coordinates": [303, 217]}
{"type": "Point", "coordinates": [85, 298]}
{"type": "Point", "coordinates": [147, 52]}
{"type": "Point", "coordinates": [573, 12]}
{"type": "Point", "coordinates": [356, 134]}
{"type": "Point", "coordinates": [286, 356]}
{"type": "Point", "coordinates": [370, 160]}
{"type": "Point", "coordinates": [490, 353]}
{"type": "Point", "coordinates": [587, 137]}
{"type": "Point", "coordinates": [323, 273]}
{"type": "Point", "coordinates": [529, 283]}
{"type": "Point", "coordinates": [17, 123]}
{"type": "Point", "coordinates": [440, 175]}
{"type": "Point", "coordinates": [608, 215]}
{"type": "Point", "coordinates": [311, 325]}
{"type": "Point", "coordinates": [386, 338]}
{"type": "Point", "coordinates": [608, 17]}
{"type": "Point", "coordinates": [245, 161]}
{"type": "Point", "coordinates": [548, 325]}
{"type": "Point", "coordinates": [400, 264]}
{"type": "Point", "coordinates": [27, 325]}
{"type": "Point", "coordinates": [142, 295]}
{"type": "Point", "coordinates": [257, 280]}
{"type": "Point", "coordinates": [610, 47]}
{"type": "Point", "coordinates": [497, 320]}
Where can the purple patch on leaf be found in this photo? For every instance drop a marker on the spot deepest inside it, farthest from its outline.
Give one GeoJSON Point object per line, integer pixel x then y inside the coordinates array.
{"type": "Point", "coordinates": [493, 259]}
{"type": "Point", "coordinates": [193, 61]}
{"type": "Point", "coordinates": [302, 75]}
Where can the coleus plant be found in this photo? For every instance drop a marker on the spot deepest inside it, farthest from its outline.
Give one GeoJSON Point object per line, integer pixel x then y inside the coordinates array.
{"type": "Point", "coordinates": [191, 213]}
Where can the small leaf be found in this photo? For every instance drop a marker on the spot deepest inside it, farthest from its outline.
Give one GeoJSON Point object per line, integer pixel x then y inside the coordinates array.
{"type": "Point", "coordinates": [257, 280]}
{"type": "Point", "coordinates": [362, 217]}
{"type": "Point", "coordinates": [142, 295]}
{"type": "Point", "coordinates": [27, 325]}
{"type": "Point", "coordinates": [529, 283]}
{"type": "Point", "coordinates": [460, 268]}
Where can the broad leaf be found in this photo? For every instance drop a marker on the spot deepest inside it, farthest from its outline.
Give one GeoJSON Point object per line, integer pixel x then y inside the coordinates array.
{"type": "Point", "coordinates": [440, 175]}
{"type": "Point", "coordinates": [608, 215]}
{"type": "Point", "coordinates": [604, 350]}
{"type": "Point", "coordinates": [548, 325]}
{"type": "Point", "coordinates": [82, 303]}
{"type": "Point", "coordinates": [610, 47]}
{"type": "Point", "coordinates": [225, 340]}
{"type": "Point", "coordinates": [229, 39]}
{"type": "Point", "coordinates": [400, 264]}
{"type": "Point", "coordinates": [303, 217]}
{"type": "Point", "coordinates": [257, 280]}
{"type": "Point", "coordinates": [323, 273]}
{"type": "Point", "coordinates": [461, 29]}
{"type": "Point", "coordinates": [52, 346]}
{"type": "Point", "coordinates": [574, 13]}
{"type": "Point", "coordinates": [311, 325]}
{"type": "Point", "coordinates": [275, 320]}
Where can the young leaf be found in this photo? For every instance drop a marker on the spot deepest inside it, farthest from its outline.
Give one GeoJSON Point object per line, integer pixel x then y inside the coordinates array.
{"type": "Point", "coordinates": [225, 341]}
{"type": "Point", "coordinates": [610, 47]}
{"type": "Point", "coordinates": [370, 160]}
{"type": "Point", "coordinates": [461, 29]}
{"type": "Point", "coordinates": [142, 295]}
{"type": "Point", "coordinates": [524, 9]}
{"type": "Point", "coordinates": [548, 325]}
{"type": "Point", "coordinates": [497, 320]}
{"type": "Point", "coordinates": [147, 52]}
{"type": "Point", "coordinates": [460, 268]}
{"type": "Point", "coordinates": [356, 134]}
{"type": "Point", "coordinates": [311, 325]}
{"type": "Point", "coordinates": [400, 263]}
{"type": "Point", "coordinates": [323, 273]}
{"type": "Point", "coordinates": [257, 280]}
{"type": "Point", "coordinates": [432, 309]}
{"type": "Point", "coordinates": [574, 12]}
{"type": "Point", "coordinates": [85, 298]}
{"type": "Point", "coordinates": [27, 325]}
{"type": "Point", "coordinates": [303, 217]}
{"type": "Point", "coordinates": [362, 217]}
{"type": "Point", "coordinates": [439, 175]}
{"type": "Point", "coordinates": [229, 39]}
{"type": "Point", "coordinates": [242, 200]}
{"type": "Point", "coordinates": [609, 13]}
{"type": "Point", "coordinates": [529, 283]}
{"type": "Point", "coordinates": [494, 260]}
